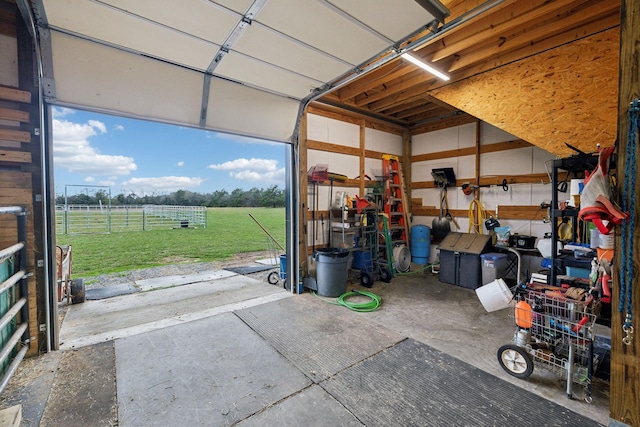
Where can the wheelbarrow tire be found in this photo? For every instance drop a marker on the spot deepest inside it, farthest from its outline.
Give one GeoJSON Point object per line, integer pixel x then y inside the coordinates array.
{"type": "Point", "coordinates": [515, 361]}
{"type": "Point", "coordinates": [273, 278]}
{"type": "Point", "coordinates": [77, 291]}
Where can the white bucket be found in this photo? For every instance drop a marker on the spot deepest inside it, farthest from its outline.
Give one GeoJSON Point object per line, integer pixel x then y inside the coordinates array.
{"type": "Point", "coordinates": [494, 295]}
{"type": "Point", "coordinates": [605, 241]}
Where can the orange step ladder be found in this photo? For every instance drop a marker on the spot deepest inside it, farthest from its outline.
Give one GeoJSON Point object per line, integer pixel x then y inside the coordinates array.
{"type": "Point", "coordinates": [395, 200]}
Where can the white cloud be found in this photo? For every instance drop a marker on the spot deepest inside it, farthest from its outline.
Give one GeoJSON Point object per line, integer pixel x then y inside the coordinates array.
{"type": "Point", "coordinates": [181, 163]}
{"type": "Point", "coordinates": [98, 125]}
{"type": "Point", "coordinates": [256, 164]}
{"type": "Point", "coordinates": [253, 170]}
{"type": "Point", "coordinates": [61, 112]}
{"type": "Point", "coordinates": [119, 127]}
{"type": "Point", "coordinates": [162, 183]}
{"type": "Point", "coordinates": [73, 151]}
{"type": "Point", "coordinates": [108, 183]}
{"type": "Point", "coordinates": [274, 177]}
{"type": "Point", "coordinates": [89, 179]}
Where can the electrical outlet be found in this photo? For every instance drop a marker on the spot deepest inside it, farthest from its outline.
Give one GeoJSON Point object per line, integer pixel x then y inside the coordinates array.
{"type": "Point", "coordinates": [40, 263]}
{"type": "Point", "coordinates": [43, 327]}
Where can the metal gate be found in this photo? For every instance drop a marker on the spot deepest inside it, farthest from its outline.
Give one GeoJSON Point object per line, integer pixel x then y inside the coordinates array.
{"type": "Point", "coordinates": [14, 311]}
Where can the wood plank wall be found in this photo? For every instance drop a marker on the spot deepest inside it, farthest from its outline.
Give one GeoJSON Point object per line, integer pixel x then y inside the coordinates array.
{"type": "Point", "coordinates": [624, 403]}
{"type": "Point", "coordinates": [15, 184]}
{"type": "Point", "coordinates": [19, 156]}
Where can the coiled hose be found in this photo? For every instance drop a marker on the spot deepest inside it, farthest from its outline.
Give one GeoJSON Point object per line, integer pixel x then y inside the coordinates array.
{"type": "Point", "coordinates": [364, 307]}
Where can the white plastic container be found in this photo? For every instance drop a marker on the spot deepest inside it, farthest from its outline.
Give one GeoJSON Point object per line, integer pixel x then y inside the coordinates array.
{"type": "Point", "coordinates": [495, 295]}
{"type": "Point", "coordinates": [605, 241]}
{"type": "Point", "coordinates": [544, 246]}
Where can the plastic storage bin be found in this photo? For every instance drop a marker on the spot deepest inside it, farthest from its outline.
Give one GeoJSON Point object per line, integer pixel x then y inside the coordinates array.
{"type": "Point", "coordinates": [460, 259]}
{"type": "Point", "coordinates": [581, 273]}
{"type": "Point", "coordinates": [494, 266]}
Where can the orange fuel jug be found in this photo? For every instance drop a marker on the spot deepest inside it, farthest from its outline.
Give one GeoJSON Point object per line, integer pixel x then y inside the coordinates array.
{"type": "Point", "coordinates": [524, 314]}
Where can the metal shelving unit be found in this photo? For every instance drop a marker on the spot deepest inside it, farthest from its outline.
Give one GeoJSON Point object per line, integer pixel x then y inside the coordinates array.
{"type": "Point", "coordinates": [575, 166]}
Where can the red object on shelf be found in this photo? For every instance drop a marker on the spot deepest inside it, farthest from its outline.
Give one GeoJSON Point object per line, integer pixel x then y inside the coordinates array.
{"type": "Point", "coordinates": [318, 173]}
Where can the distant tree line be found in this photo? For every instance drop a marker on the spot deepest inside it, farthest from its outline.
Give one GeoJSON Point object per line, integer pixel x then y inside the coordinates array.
{"type": "Point", "coordinates": [272, 197]}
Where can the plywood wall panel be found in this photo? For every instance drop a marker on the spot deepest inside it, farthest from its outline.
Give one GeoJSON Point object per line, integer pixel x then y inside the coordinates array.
{"type": "Point", "coordinates": [558, 96]}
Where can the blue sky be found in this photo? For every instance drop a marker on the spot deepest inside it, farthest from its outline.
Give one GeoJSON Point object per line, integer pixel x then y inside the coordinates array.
{"type": "Point", "coordinates": [143, 157]}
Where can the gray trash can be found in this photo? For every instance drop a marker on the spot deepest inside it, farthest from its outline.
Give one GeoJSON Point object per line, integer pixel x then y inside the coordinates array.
{"type": "Point", "coordinates": [331, 271]}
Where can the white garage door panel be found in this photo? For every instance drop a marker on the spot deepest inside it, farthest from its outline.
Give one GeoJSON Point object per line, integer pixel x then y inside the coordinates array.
{"type": "Point", "coordinates": [107, 24]}
{"type": "Point", "coordinates": [195, 17]}
{"type": "Point", "coordinates": [240, 67]}
{"type": "Point", "coordinates": [242, 110]}
{"type": "Point", "coordinates": [239, 6]}
{"type": "Point", "coordinates": [391, 18]}
{"type": "Point", "coordinates": [269, 46]}
{"type": "Point", "coordinates": [132, 84]}
{"type": "Point", "coordinates": [318, 25]}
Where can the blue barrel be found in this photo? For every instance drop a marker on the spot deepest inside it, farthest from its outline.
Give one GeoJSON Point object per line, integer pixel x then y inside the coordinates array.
{"type": "Point", "coordinates": [420, 244]}
{"type": "Point", "coordinates": [283, 267]}
{"type": "Point", "coordinates": [362, 261]}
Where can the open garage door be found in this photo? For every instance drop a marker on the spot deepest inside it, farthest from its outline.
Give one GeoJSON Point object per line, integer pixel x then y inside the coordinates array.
{"type": "Point", "coordinates": [246, 67]}
{"type": "Point", "coordinates": [238, 66]}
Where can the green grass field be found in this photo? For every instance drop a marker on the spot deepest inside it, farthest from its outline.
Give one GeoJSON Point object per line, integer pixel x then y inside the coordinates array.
{"type": "Point", "coordinates": [229, 231]}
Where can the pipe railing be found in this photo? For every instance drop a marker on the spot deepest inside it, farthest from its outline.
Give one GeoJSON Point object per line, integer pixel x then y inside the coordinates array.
{"type": "Point", "coordinates": [16, 347]}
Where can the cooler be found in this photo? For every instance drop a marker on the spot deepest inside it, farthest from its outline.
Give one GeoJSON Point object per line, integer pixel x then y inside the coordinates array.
{"type": "Point", "coordinates": [494, 266]}
{"type": "Point", "coordinates": [460, 262]}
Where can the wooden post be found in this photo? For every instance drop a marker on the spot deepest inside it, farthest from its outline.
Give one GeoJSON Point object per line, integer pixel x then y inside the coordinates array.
{"type": "Point", "coordinates": [478, 141]}
{"type": "Point", "coordinates": [406, 162]}
{"type": "Point", "coordinates": [624, 402]}
{"type": "Point", "coordinates": [303, 245]}
{"type": "Point", "coordinates": [363, 148]}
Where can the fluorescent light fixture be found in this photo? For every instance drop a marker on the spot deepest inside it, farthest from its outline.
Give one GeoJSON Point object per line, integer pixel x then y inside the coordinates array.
{"type": "Point", "coordinates": [425, 66]}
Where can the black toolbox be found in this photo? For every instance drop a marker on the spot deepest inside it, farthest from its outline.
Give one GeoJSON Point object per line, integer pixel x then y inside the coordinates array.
{"type": "Point", "coordinates": [460, 262]}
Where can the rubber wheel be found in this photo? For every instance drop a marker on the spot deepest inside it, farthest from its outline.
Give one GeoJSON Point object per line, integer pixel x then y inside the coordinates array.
{"type": "Point", "coordinates": [515, 361]}
{"type": "Point", "coordinates": [285, 285]}
{"type": "Point", "coordinates": [385, 275]}
{"type": "Point", "coordinates": [77, 291]}
{"type": "Point", "coordinates": [366, 279]}
{"type": "Point", "coordinates": [273, 278]}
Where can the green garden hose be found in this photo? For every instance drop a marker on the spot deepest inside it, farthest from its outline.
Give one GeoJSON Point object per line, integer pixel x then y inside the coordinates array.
{"type": "Point", "coordinates": [419, 270]}
{"type": "Point", "coordinates": [362, 307]}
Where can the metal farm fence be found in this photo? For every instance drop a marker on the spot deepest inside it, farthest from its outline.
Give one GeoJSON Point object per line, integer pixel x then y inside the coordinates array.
{"type": "Point", "coordinates": [96, 219]}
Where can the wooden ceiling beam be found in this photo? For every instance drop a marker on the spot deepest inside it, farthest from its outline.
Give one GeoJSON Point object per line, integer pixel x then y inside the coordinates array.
{"type": "Point", "coordinates": [409, 104]}
{"type": "Point", "coordinates": [426, 107]}
{"type": "Point", "coordinates": [439, 112]}
{"type": "Point", "coordinates": [458, 8]}
{"type": "Point", "coordinates": [372, 93]}
{"type": "Point", "coordinates": [491, 63]}
{"type": "Point", "coordinates": [395, 69]}
{"type": "Point", "coordinates": [517, 16]}
{"type": "Point", "coordinates": [586, 16]}
{"type": "Point", "coordinates": [413, 79]}
{"type": "Point", "coordinates": [398, 98]}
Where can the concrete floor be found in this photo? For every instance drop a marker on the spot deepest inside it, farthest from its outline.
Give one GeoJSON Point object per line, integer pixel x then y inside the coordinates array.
{"type": "Point", "coordinates": [150, 358]}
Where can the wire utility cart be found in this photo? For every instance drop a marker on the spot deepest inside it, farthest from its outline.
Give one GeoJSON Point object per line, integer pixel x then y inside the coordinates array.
{"type": "Point", "coordinates": [367, 249]}
{"type": "Point", "coordinates": [556, 331]}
